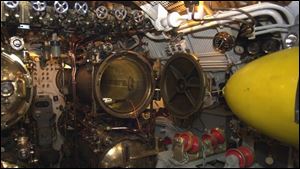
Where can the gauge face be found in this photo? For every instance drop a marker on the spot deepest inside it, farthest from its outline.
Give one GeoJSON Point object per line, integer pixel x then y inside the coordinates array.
{"type": "Point", "coordinates": [223, 42]}
{"type": "Point", "coordinates": [17, 43]}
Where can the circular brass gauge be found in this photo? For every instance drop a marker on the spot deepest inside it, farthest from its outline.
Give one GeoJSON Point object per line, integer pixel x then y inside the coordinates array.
{"type": "Point", "coordinates": [16, 43]}
{"type": "Point", "coordinates": [223, 42]}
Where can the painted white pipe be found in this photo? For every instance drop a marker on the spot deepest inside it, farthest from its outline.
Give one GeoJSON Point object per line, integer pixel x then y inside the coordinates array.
{"type": "Point", "coordinates": [156, 37]}
{"type": "Point", "coordinates": [271, 13]}
{"type": "Point", "coordinates": [254, 10]}
{"type": "Point", "coordinates": [272, 26]}
{"type": "Point", "coordinates": [277, 17]}
{"type": "Point", "coordinates": [262, 6]}
{"type": "Point", "coordinates": [271, 31]}
{"type": "Point", "coordinates": [250, 9]}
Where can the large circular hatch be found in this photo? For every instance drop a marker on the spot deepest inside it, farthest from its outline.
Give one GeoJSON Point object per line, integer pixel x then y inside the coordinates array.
{"type": "Point", "coordinates": [124, 84]}
{"type": "Point", "coordinates": [16, 89]}
{"type": "Point", "coordinates": [182, 85]}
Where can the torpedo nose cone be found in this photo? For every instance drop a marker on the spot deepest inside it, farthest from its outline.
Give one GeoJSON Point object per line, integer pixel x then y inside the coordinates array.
{"type": "Point", "coordinates": [263, 95]}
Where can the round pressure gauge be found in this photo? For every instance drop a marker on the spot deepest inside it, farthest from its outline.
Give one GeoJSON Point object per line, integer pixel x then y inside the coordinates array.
{"type": "Point", "coordinates": [17, 43]}
{"type": "Point", "coordinates": [223, 42]}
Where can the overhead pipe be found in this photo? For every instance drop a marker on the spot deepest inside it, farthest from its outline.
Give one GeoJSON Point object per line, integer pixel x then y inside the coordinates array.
{"type": "Point", "coordinates": [275, 15]}
{"type": "Point", "coordinates": [255, 10]}
{"type": "Point", "coordinates": [260, 6]}
{"type": "Point", "coordinates": [252, 8]}
{"type": "Point", "coordinates": [273, 30]}
{"type": "Point", "coordinates": [272, 26]}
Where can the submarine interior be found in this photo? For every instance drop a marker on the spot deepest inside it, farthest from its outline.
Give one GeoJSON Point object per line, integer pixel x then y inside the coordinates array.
{"type": "Point", "coordinates": [149, 84]}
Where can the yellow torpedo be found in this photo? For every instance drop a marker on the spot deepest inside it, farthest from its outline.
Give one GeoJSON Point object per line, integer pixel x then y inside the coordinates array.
{"type": "Point", "coordinates": [263, 95]}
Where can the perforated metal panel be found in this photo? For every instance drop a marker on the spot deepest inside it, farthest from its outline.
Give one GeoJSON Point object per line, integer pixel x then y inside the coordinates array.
{"type": "Point", "coordinates": [45, 82]}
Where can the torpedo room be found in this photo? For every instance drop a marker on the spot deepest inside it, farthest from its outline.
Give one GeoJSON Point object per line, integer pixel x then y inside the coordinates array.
{"type": "Point", "coordinates": [149, 84]}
